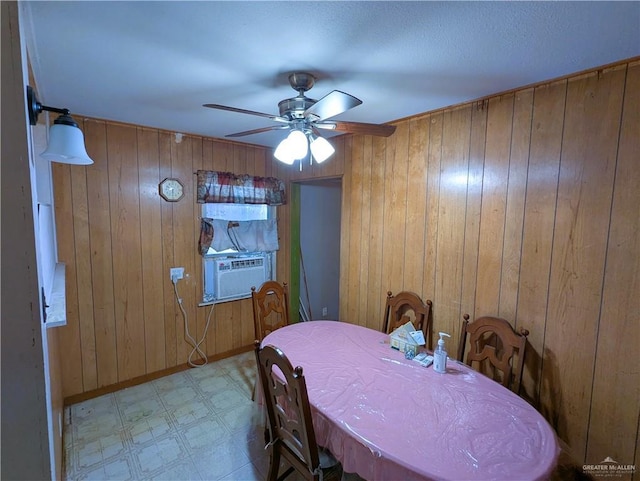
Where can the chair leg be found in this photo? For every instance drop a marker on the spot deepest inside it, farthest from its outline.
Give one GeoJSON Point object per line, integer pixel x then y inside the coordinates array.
{"type": "Point", "coordinates": [256, 386]}
{"type": "Point", "coordinates": [274, 464]}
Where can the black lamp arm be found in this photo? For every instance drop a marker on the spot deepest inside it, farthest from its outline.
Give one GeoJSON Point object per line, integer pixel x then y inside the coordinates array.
{"type": "Point", "coordinates": [36, 107]}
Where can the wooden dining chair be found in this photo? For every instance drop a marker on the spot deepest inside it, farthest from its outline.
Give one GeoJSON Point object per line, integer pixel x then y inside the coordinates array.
{"type": "Point", "coordinates": [270, 308]}
{"type": "Point", "coordinates": [495, 349]}
{"type": "Point", "coordinates": [290, 426]}
{"type": "Point", "coordinates": [270, 311]}
{"type": "Point", "coordinates": [408, 306]}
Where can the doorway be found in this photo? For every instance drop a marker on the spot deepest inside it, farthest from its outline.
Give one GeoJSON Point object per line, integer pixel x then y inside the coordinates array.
{"type": "Point", "coordinates": [315, 249]}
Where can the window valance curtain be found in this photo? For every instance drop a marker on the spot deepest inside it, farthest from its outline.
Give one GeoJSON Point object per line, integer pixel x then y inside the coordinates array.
{"type": "Point", "coordinates": [226, 187]}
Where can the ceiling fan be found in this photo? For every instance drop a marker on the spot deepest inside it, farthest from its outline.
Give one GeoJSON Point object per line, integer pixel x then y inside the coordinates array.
{"type": "Point", "coordinates": [306, 115]}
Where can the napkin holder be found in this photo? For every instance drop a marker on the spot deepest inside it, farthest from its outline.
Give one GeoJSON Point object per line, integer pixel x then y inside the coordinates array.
{"type": "Point", "coordinates": [406, 338]}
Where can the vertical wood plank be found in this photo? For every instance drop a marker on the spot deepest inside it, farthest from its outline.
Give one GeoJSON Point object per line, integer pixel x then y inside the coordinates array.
{"type": "Point", "coordinates": [355, 224]}
{"type": "Point", "coordinates": [395, 254]}
{"type": "Point", "coordinates": [69, 336]}
{"type": "Point", "coordinates": [413, 269]}
{"type": "Point", "coordinates": [451, 215]}
{"type": "Point", "coordinates": [537, 237]}
{"type": "Point", "coordinates": [394, 211]}
{"type": "Point", "coordinates": [616, 384]}
{"type": "Point", "coordinates": [514, 213]}
{"type": "Point", "coordinates": [494, 197]}
{"type": "Point", "coordinates": [124, 203]}
{"type": "Point", "coordinates": [375, 301]}
{"type": "Point", "coordinates": [150, 238]}
{"type": "Point", "coordinates": [184, 245]}
{"type": "Point", "coordinates": [284, 270]}
{"type": "Point", "coordinates": [346, 230]}
{"type": "Point", "coordinates": [363, 261]}
{"type": "Point", "coordinates": [82, 253]}
{"type": "Point", "coordinates": [201, 160]}
{"type": "Point", "coordinates": [587, 167]}
{"type": "Point", "coordinates": [98, 183]}
{"type": "Point", "coordinates": [166, 214]}
{"type": "Point", "coordinates": [198, 162]}
{"type": "Point", "coordinates": [472, 218]}
{"type": "Point", "coordinates": [338, 159]}
{"type": "Point", "coordinates": [206, 312]}
{"type": "Point", "coordinates": [434, 160]}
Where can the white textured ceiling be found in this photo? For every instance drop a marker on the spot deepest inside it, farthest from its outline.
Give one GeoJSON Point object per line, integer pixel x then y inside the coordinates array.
{"type": "Point", "coordinates": [156, 63]}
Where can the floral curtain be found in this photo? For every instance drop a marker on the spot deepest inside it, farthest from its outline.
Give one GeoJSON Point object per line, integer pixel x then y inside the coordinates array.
{"type": "Point", "coordinates": [226, 187]}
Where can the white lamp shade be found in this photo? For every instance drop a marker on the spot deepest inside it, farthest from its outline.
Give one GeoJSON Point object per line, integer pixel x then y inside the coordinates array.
{"type": "Point", "coordinates": [298, 144]}
{"type": "Point", "coordinates": [294, 147]}
{"type": "Point", "coordinates": [321, 149]}
{"type": "Point", "coordinates": [66, 145]}
{"type": "Point", "coordinates": [283, 152]}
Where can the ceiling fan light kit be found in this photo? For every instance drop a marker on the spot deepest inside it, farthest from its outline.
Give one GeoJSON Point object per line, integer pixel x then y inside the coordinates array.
{"type": "Point", "coordinates": [303, 116]}
{"type": "Point", "coordinates": [293, 147]}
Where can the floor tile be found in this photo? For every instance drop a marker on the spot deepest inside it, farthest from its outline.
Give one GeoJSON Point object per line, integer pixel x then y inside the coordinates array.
{"type": "Point", "coordinates": [220, 460]}
{"type": "Point", "coordinates": [241, 419]}
{"type": "Point", "coordinates": [181, 471]}
{"type": "Point", "coordinates": [204, 435]}
{"type": "Point", "coordinates": [115, 469]}
{"type": "Point", "coordinates": [100, 450]}
{"type": "Point", "coordinates": [229, 398]}
{"type": "Point", "coordinates": [248, 472]}
{"type": "Point", "coordinates": [150, 429]}
{"type": "Point", "coordinates": [198, 424]}
{"type": "Point", "coordinates": [160, 456]}
{"type": "Point", "coordinates": [132, 412]}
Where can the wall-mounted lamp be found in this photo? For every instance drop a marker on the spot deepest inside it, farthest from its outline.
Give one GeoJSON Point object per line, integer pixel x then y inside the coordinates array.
{"type": "Point", "coordinates": [66, 142]}
{"type": "Point", "coordinates": [297, 144]}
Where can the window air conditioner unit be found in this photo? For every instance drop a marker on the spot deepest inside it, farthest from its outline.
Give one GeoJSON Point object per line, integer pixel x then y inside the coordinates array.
{"type": "Point", "coordinates": [233, 277]}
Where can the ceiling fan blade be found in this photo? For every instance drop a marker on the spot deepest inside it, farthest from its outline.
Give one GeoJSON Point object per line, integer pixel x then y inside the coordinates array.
{"type": "Point", "coordinates": [258, 131]}
{"type": "Point", "coordinates": [243, 111]}
{"type": "Point", "coordinates": [332, 104]}
{"type": "Point", "coordinates": [380, 130]}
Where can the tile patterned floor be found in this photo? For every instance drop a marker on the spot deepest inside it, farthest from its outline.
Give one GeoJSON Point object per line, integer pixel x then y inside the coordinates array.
{"type": "Point", "coordinates": [198, 424]}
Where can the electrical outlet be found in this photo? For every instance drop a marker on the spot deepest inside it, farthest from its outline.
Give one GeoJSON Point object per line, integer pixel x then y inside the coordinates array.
{"type": "Point", "coordinates": [176, 273]}
{"type": "Point", "coordinates": [325, 311]}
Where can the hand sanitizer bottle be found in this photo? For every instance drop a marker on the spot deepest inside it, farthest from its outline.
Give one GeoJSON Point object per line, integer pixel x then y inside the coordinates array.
{"type": "Point", "coordinates": [440, 355]}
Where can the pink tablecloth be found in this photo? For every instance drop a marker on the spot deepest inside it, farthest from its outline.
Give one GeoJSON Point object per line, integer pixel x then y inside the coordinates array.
{"type": "Point", "coordinates": [388, 418]}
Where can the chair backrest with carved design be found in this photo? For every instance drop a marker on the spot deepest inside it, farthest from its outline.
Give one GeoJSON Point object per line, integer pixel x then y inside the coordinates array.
{"type": "Point", "coordinates": [495, 349]}
{"type": "Point", "coordinates": [408, 306]}
{"type": "Point", "coordinates": [291, 433]}
{"type": "Point", "coordinates": [270, 308]}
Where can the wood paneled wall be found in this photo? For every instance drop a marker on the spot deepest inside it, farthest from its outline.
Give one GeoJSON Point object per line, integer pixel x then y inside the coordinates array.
{"type": "Point", "coordinates": [524, 205]}
{"type": "Point", "coordinates": [119, 240]}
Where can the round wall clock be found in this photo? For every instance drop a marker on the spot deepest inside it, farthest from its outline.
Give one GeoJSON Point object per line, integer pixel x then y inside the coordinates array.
{"type": "Point", "coordinates": [171, 189]}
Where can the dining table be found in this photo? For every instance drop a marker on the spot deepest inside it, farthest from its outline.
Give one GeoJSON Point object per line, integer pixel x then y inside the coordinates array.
{"type": "Point", "coordinates": [388, 418]}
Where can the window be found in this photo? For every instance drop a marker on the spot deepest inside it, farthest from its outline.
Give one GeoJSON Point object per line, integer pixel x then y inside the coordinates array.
{"type": "Point", "coordinates": [236, 212]}
{"type": "Point", "coordinates": [230, 274]}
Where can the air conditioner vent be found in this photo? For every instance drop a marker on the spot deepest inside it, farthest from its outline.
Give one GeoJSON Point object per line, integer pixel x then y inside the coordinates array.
{"type": "Point", "coordinates": [228, 278]}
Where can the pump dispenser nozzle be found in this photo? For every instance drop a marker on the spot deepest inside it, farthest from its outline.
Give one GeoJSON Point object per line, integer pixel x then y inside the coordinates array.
{"type": "Point", "coordinates": [441, 341]}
